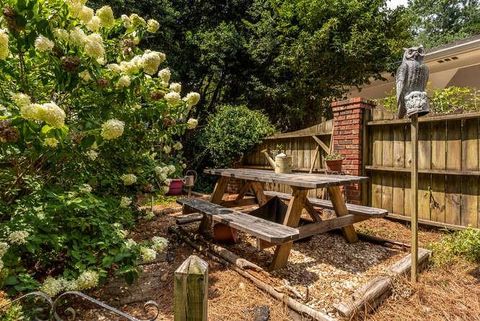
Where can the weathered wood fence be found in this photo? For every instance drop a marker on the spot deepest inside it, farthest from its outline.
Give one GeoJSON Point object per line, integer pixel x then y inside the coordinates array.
{"type": "Point", "coordinates": [449, 168]}
{"type": "Point", "coordinates": [301, 145]}
{"type": "Point", "coordinates": [449, 164]}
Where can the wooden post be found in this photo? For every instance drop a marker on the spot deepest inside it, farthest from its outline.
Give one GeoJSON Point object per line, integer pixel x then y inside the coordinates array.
{"type": "Point", "coordinates": [414, 194]}
{"type": "Point", "coordinates": [191, 290]}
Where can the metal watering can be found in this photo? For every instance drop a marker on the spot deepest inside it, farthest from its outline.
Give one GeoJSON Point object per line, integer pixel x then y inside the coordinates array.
{"type": "Point", "coordinates": [282, 163]}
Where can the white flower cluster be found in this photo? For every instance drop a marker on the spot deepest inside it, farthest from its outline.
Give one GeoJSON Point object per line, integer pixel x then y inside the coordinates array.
{"type": "Point", "coordinates": [165, 75]}
{"type": "Point", "coordinates": [124, 81]}
{"type": "Point", "coordinates": [130, 243]}
{"type": "Point", "coordinates": [18, 237]}
{"type": "Point", "coordinates": [51, 142]}
{"type": "Point", "coordinates": [92, 154]}
{"type": "Point", "coordinates": [48, 112]}
{"type": "Point", "coordinates": [3, 249]}
{"type": "Point", "coordinates": [52, 287]}
{"type": "Point", "coordinates": [43, 44]}
{"type": "Point", "coordinates": [152, 25]}
{"type": "Point", "coordinates": [192, 99]}
{"type": "Point", "coordinates": [148, 62]}
{"type": "Point", "coordinates": [192, 123]}
{"type": "Point", "coordinates": [177, 146]}
{"type": "Point", "coordinates": [129, 179]}
{"type": "Point", "coordinates": [87, 280]}
{"type": "Point", "coordinates": [112, 129]}
{"type": "Point", "coordinates": [148, 255]}
{"type": "Point", "coordinates": [159, 243]}
{"type": "Point", "coordinates": [105, 14]}
{"type": "Point", "coordinates": [152, 60]}
{"type": "Point", "coordinates": [125, 202]}
{"type": "Point", "coordinates": [4, 50]}
{"type": "Point", "coordinates": [85, 188]}
{"type": "Point", "coordinates": [163, 172]}
{"type": "Point", "coordinates": [167, 149]}
{"type": "Point", "coordinates": [176, 87]}
{"type": "Point", "coordinates": [173, 98]}
{"type": "Point", "coordinates": [92, 44]}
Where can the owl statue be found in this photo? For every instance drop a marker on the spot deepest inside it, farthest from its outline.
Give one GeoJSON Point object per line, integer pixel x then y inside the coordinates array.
{"type": "Point", "coordinates": [411, 80]}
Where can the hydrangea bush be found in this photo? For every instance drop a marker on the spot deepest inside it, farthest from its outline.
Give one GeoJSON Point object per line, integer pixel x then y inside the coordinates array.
{"type": "Point", "coordinates": [87, 121]}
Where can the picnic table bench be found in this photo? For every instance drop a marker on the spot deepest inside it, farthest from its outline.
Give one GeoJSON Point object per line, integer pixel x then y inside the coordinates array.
{"type": "Point", "coordinates": [272, 233]}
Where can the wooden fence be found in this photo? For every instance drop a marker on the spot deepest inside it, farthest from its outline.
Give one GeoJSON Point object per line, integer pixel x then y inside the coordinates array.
{"type": "Point", "coordinates": [449, 168]}
{"type": "Point", "coordinates": [449, 164]}
{"type": "Point", "coordinates": [302, 145]}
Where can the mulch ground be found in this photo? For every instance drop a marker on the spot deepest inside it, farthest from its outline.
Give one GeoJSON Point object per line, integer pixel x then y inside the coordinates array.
{"type": "Point", "coordinates": [324, 269]}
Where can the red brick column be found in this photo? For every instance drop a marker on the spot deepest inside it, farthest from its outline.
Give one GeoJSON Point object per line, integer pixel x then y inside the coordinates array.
{"type": "Point", "coordinates": [348, 117]}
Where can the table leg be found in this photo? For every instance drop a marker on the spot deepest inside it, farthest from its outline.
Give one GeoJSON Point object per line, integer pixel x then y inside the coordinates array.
{"type": "Point", "coordinates": [292, 218]}
{"type": "Point", "coordinates": [258, 190]}
{"type": "Point", "coordinates": [216, 198]}
{"type": "Point", "coordinates": [340, 207]}
{"type": "Point", "coordinates": [312, 212]}
{"type": "Point", "coordinates": [244, 190]}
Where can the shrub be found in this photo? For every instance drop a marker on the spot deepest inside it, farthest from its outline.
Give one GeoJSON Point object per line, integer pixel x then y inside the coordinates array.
{"type": "Point", "coordinates": [231, 132]}
{"type": "Point", "coordinates": [465, 243]}
{"type": "Point", "coordinates": [87, 121]}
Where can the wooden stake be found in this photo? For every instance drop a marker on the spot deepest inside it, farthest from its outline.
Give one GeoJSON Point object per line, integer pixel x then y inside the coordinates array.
{"type": "Point", "coordinates": [414, 193]}
{"type": "Point", "coordinates": [191, 290]}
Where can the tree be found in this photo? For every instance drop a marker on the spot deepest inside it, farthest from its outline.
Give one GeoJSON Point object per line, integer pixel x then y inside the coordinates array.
{"type": "Point", "coordinates": [442, 21]}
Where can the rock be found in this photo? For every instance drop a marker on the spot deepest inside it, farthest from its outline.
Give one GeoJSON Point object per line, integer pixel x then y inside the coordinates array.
{"type": "Point", "coordinates": [261, 313]}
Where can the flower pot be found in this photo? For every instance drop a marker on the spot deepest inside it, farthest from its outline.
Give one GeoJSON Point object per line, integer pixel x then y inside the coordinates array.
{"type": "Point", "coordinates": [175, 187]}
{"type": "Point", "coordinates": [335, 165]}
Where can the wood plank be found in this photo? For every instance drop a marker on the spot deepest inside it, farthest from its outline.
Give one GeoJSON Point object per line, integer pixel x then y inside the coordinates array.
{"type": "Point", "coordinates": [341, 210]}
{"type": "Point", "coordinates": [469, 209]}
{"type": "Point", "coordinates": [388, 160]}
{"type": "Point", "coordinates": [439, 145]}
{"type": "Point", "coordinates": [328, 225]}
{"type": "Point", "coordinates": [425, 171]}
{"type": "Point", "coordinates": [377, 157]}
{"type": "Point", "coordinates": [398, 196]}
{"type": "Point", "coordinates": [437, 204]}
{"type": "Point", "coordinates": [398, 147]}
{"type": "Point", "coordinates": [258, 191]}
{"type": "Point", "coordinates": [354, 209]}
{"type": "Point", "coordinates": [377, 190]}
{"type": "Point", "coordinates": [292, 218]}
{"type": "Point", "coordinates": [454, 145]}
{"type": "Point", "coordinates": [408, 147]}
{"type": "Point", "coordinates": [269, 231]}
{"type": "Point", "coordinates": [424, 193]}
{"type": "Point", "coordinates": [325, 148]}
{"type": "Point", "coordinates": [425, 119]}
{"type": "Point", "coordinates": [424, 147]}
{"type": "Point", "coordinates": [295, 179]}
{"type": "Point", "coordinates": [453, 200]}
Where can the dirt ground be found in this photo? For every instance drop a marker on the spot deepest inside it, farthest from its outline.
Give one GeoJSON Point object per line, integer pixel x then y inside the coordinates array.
{"type": "Point", "coordinates": [443, 293]}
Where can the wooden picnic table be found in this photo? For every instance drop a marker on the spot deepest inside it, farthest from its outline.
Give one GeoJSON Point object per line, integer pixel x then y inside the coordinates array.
{"type": "Point", "coordinates": [300, 183]}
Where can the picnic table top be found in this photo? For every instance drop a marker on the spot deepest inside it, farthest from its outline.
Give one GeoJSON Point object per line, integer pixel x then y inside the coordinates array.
{"type": "Point", "coordinates": [302, 180]}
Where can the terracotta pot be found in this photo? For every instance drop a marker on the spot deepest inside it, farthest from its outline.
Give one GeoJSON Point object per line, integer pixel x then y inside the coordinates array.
{"type": "Point", "coordinates": [175, 187]}
{"type": "Point", "coordinates": [335, 165]}
{"type": "Point", "coordinates": [224, 233]}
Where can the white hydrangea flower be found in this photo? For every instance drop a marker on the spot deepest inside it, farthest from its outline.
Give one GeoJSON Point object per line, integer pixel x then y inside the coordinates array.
{"type": "Point", "coordinates": [165, 75]}
{"type": "Point", "coordinates": [112, 129]}
{"type": "Point", "coordinates": [159, 243]}
{"type": "Point", "coordinates": [1, 265]}
{"type": "Point", "coordinates": [44, 44]}
{"type": "Point", "coordinates": [125, 202]}
{"type": "Point", "coordinates": [148, 255]}
{"type": "Point", "coordinates": [137, 21]}
{"type": "Point", "coordinates": [176, 87]}
{"type": "Point", "coordinates": [165, 189]}
{"type": "Point", "coordinates": [85, 188]}
{"type": "Point", "coordinates": [21, 99]}
{"type": "Point", "coordinates": [94, 24]}
{"type": "Point", "coordinates": [85, 75]}
{"type": "Point", "coordinates": [114, 67]}
{"type": "Point", "coordinates": [87, 280]}
{"type": "Point", "coordinates": [61, 34]}
{"type": "Point", "coordinates": [124, 81]}
{"type": "Point", "coordinates": [77, 37]}
{"type": "Point", "coordinates": [130, 243]}
{"type": "Point", "coordinates": [173, 98]}
{"type": "Point", "coordinates": [152, 25]}
{"type": "Point", "coordinates": [105, 14]}
{"type": "Point", "coordinates": [127, 23]}
{"type": "Point", "coordinates": [52, 287]}
{"type": "Point", "coordinates": [75, 7]}
{"type": "Point", "coordinates": [192, 123]}
{"type": "Point", "coordinates": [3, 248]}
{"type": "Point", "coordinates": [51, 142]}
{"type": "Point", "coordinates": [128, 179]}
{"type": "Point", "coordinates": [94, 46]}
{"type": "Point", "coordinates": [51, 114]}
{"type": "Point", "coordinates": [192, 99]}
{"type": "Point", "coordinates": [151, 61]}
{"type": "Point", "coordinates": [167, 149]}
{"type": "Point", "coordinates": [92, 154]}
{"type": "Point", "coordinates": [85, 14]}
{"type": "Point", "coordinates": [177, 146]}
{"type": "Point", "coordinates": [171, 169]}
{"type": "Point", "coordinates": [4, 49]}
{"type": "Point", "coordinates": [30, 111]}
{"type": "Point", "coordinates": [18, 237]}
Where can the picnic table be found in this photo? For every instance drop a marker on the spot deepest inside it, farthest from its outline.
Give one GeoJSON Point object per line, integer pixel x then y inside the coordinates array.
{"type": "Point", "coordinates": [282, 235]}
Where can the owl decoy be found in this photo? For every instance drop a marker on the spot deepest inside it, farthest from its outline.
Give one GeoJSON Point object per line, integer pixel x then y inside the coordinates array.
{"type": "Point", "coordinates": [411, 81]}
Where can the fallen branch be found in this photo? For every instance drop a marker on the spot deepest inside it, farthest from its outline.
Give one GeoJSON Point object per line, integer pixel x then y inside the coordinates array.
{"type": "Point", "coordinates": [291, 303]}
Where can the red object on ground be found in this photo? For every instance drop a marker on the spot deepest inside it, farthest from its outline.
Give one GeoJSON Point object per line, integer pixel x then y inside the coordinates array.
{"type": "Point", "coordinates": [175, 187]}
{"type": "Point", "coordinates": [224, 233]}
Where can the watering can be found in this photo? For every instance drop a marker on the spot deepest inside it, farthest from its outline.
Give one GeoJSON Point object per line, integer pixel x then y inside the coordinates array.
{"type": "Point", "coordinates": [282, 163]}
